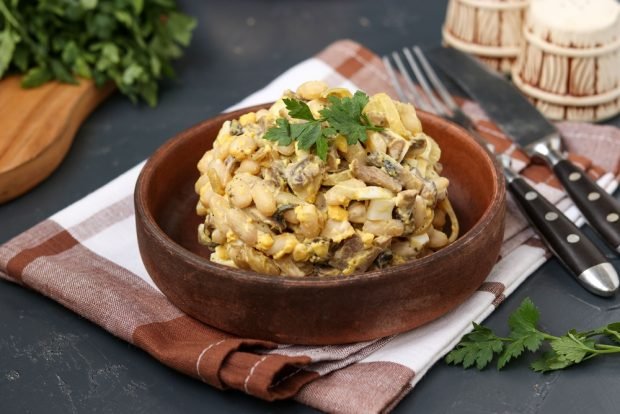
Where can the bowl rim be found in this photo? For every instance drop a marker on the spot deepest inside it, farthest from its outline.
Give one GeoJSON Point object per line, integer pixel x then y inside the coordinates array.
{"type": "Point", "coordinates": [248, 276]}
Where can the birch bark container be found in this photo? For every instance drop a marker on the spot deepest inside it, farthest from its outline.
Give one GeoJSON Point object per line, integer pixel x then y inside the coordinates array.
{"type": "Point", "coordinates": [489, 29]}
{"type": "Point", "coordinates": [569, 65]}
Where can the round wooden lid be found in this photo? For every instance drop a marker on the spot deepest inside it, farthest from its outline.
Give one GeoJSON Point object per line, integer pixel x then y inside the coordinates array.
{"type": "Point", "coordinates": [575, 23]}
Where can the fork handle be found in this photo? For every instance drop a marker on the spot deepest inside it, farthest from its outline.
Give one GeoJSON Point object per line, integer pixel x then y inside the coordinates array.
{"type": "Point", "coordinates": [567, 241]}
{"type": "Point", "coordinates": [599, 207]}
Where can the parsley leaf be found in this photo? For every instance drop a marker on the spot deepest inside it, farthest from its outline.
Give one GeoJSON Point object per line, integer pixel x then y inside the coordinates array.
{"type": "Point", "coordinates": [128, 42]}
{"type": "Point", "coordinates": [343, 116]}
{"type": "Point", "coordinates": [477, 347]}
{"type": "Point", "coordinates": [571, 348]}
{"type": "Point", "coordinates": [306, 134]}
{"type": "Point", "coordinates": [298, 109]}
{"type": "Point", "coordinates": [280, 133]}
{"type": "Point", "coordinates": [523, 332]}
{"type": "Point", "coordinates": [322, 145]}
{"type": "Point", "coordinates": [574, 347]}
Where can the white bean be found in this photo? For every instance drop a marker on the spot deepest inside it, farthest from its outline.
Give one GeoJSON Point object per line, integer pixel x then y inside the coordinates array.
{"type": "Point", "coordinates": [241, 224]}
{"type": "Point", "coordinates": [204, 162]}
{"type": "Point", "coordinates": [215, 182]}
{"type": "Point", "coordinates": [290, 216]}
{"type": "Point", "coordinates": [311, 89]}
{"type": "Point", "coordinates": [437, 238]}
{"type": "Point", "coordinates": [419, 211]}
{"type": "Point", "coordinates": [264, 198]}
{"type": "Point", "coordinates": [283, 244]}
{"type": "Point", "coordinates": [239, 193]}
{"type": "Point", "coordinates": [308, 216]}
{"type": "Point", "coordinates": [357, 212]}
{"type": "Point", "coordinates": [218, 236]}
{"type": "Point", "coordinates": [242, 147]}
{"type": "Point", "coordinates": [202, 180]}
{"type": "Point", "coordinates": [249, 166]}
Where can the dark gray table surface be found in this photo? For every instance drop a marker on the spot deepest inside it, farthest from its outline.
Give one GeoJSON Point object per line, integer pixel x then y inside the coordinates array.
{"type": "Point", "coordinates": [53, 361]}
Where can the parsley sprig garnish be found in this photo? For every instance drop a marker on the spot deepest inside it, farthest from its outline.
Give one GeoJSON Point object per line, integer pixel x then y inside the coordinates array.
{"type": "Point", "coordinates": [342, 116]}
{"type": "Point", "coordinates": [481, 345]}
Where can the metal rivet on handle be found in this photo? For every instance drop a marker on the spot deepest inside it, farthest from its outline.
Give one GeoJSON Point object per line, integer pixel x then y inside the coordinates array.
{"type": "Point", "coordinates": [551, 216]}
{"type": "Point", "coordinates": [574, 176]}
{"type": "Point", "coordinates": [572, 238]}
{"type": "Point", "coordinates": [593, 196]}
{"type": "Point", "coordinates": [530, 195]}
{"type": "Point", "coordinates": [612, 217]}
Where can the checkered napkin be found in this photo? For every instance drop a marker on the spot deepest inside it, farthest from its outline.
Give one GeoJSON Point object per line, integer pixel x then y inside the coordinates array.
{"type": "Point", "coordinates": [86, 258]}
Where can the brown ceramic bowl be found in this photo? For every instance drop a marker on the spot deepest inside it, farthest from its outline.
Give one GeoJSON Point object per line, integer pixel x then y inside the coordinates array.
{"type": "Point", "coordinates": [316, 310]}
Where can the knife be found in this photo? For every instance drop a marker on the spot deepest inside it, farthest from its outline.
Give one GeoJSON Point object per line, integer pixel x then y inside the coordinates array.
{"type": "Point", "coordinates": [567, 242]}
{"type": "Point", "coordinates": [520, 120]}
{"type": "Point", "coordinates": [563, 237]}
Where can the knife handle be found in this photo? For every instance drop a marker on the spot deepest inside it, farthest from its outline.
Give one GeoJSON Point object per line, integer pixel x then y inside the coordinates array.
{"type": "Point", "coordinates": [566, 240]}
{"type": "Point", "coordinates": [600, 208]}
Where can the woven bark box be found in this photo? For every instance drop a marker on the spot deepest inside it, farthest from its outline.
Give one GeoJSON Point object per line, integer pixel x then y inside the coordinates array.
{"type": "Point", "coordinates": [488, 29]}
{"type": "Point", "coordinates": [569, 65]}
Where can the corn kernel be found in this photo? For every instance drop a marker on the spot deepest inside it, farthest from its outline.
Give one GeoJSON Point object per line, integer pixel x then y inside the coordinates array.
{"type": "Point", "coordinates": [337, 213]}
{"type": "Point", "coordinates": [221, 253]}
{"type": "Point", "coordinates": [341, 143]}
{"type": "Point", "coordinates": [231, 237]}
{"type": "Point", "coordinates": [301, 253]}
{"type": "Point", "coordinates": [248, 118]}
{"type": "Point", "coordinates": [366, 238]}
{"type": "Point", "coordinates": [320, 249]}
{"type": "Point", "coordinates": [264, 242]}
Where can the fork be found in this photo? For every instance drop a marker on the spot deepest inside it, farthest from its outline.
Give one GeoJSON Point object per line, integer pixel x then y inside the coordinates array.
{"type": "Point", "coordinates": [569, 244]}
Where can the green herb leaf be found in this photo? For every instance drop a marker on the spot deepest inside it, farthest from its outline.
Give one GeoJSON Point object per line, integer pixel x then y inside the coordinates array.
{"type": "Point", "coordinates": [8, 41]}
{"type": "Point", "coordinates": [570, 349]}
{"type": "Point", "coordinates": [478, 346]}
{"type": "Point", "coordinates": [525, 318]}
{"type": "Point", "coordinates": [322, 146]}
{"type": "Point", "coordinates": [306, 134]}
{"type": "Point", "coordinates": [280, 133]}
{"type": "Point", "coordinates": [550, 362]}
{"type": "Point", "coordinates": [128, 42]}
{"type": "Point", "coordinates": [612, 331]}
{"type": "Point", "coordinates": [345, 117]}
{"type": "Point", "coordinates": [298, 109]}
{"type": "Point", "coordinates": [61, 73]}
{"type": "Point", "coordinates": [89, 4]}
{"type": "Point", "coordinates": [36, 76]}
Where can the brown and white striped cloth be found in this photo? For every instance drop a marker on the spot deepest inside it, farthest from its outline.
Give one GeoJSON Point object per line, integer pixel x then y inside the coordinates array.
{"type": "Point", "coordinates": [86, 258]}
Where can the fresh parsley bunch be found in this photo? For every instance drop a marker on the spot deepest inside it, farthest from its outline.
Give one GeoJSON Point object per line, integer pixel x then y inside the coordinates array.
{"type": "Point", "coordinates": [481, 345]}
{"type": "Point", "coordinates": [342, 116]}
{"type": "Point", "coordinates": [128, 42]}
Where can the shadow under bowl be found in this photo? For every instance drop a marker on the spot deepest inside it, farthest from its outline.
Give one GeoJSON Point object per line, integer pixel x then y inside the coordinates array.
{"type": "Point", "coordinates": [315, 310]}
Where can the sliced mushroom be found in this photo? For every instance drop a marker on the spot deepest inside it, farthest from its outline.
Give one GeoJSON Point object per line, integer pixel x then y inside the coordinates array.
{"type": "Point", "coordinates": [352, 257]}
{"type": "Point", "coordinates": [395, 169]}
{"type": "Point", "coordinates": [274, 175]}
{"type": "Point", "coordinates": [289, 267]}
{"type": "Point", "coordinates": [248, 258]}
{"type": "Point", "coordinates": [375, 176]}
{"type": "Point", "coordinates": [304, 177]}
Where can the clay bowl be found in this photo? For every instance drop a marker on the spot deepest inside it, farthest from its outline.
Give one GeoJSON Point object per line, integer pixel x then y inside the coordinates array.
{"type": "Point", "coordinates": [316, 310]}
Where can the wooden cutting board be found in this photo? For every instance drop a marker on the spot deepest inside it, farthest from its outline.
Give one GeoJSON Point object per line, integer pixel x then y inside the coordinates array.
{"type": "Point", "coordinates": [37, 127]}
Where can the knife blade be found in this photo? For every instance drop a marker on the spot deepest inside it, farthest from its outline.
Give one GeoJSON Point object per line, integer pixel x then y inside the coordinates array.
{"type": "Point", "coordinates": [520, 120]}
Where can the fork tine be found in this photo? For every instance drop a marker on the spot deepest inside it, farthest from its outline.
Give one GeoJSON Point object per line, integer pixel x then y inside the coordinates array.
{"type": "Point", "coordinates": [415, 95]}
{"type": "Point", "coordinates": [439, 108]}
{"type": "Point", "coordinates": [432, 75]}
{"type": "Point", "coordinates": [393, 78]}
